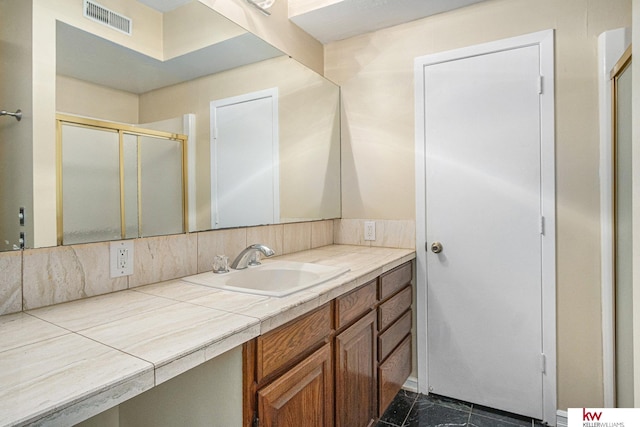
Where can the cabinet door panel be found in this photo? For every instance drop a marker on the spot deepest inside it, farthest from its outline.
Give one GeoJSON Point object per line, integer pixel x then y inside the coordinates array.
{"type": "Point", "coordinates": [356, 382]}
{"type": "Point", "coordinates": [301, 397]}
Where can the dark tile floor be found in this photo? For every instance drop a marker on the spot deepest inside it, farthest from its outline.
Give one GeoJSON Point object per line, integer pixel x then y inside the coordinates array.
{"type": "Point", "coordinates": [417, 410]}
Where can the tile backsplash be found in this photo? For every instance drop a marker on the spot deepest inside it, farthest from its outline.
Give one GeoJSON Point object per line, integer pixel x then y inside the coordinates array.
{"type": "Point", "coordinates": [10, 282]}
{"type": "Point", "coordinates": [67, 273]}
{"type": "Point", "coordinates": [36, 278]}
{"type": "Point", "coordinates": [389, 233]}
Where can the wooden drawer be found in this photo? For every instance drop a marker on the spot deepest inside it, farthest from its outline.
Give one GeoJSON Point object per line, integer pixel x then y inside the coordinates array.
{"type": "Point", "coordinates": [394, 307]}
{"type": "Point", "coordinates": [395, 280]}
{"type": "Point", "coordinates": [351, 306]}
{"type": "Point", "coordinates": [283, 345]}
{"type": "Point", "coordinates": [389, 339]}
{"type": "Point", "coordinates": [392, 374]}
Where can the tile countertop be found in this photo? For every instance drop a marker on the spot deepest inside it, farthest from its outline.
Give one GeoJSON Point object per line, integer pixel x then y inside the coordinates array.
{"type": "Point", "coordinates": [65, 363]}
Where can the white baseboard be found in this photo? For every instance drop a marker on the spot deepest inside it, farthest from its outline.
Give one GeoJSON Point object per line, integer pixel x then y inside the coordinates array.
{"type": "Point", "coordinates": [561, 419]}
{"type": "Point", "coordinates": [411, 384]}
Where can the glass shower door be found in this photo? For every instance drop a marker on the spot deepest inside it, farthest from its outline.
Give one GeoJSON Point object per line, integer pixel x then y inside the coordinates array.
{"type": "Point", "coordinates": [90, 175]}
{"type": "Point", "coordinates": [621, 79]}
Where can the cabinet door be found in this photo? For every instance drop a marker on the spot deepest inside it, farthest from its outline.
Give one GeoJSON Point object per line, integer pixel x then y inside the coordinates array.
{"type": "Point", "coordinates": [356, 383]}
{"type": "Point", "coordinates": [301, 397]}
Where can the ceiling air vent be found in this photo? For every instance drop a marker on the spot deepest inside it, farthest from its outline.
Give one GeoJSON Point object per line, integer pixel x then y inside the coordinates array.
{"type": "Point", "coordinates": [95, 12]}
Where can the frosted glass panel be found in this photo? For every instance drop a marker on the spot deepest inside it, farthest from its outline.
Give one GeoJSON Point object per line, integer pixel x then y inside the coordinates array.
{"type": "Point", "coordinates": [130, 148]}
{"type": "Point", "coordinates": [90, 185]}
{"type": "Point", "coordinates": [623, 202]}
{"type": "Point", "coordinates": [161, 186]}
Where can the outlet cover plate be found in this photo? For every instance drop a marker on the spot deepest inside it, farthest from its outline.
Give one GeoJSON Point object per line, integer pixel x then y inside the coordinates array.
{"type": "Point", "coordinates": [369, 230]}
{"type": "Point", "coordinates": [121, 258]}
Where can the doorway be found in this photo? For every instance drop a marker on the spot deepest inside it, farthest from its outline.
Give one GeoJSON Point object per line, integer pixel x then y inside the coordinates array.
{"type": "Point", "coordinates": [485, 198]}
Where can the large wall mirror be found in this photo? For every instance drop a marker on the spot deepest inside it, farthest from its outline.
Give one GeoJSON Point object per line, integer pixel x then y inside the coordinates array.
{"type": "Point", "coordinates": [208, 60]}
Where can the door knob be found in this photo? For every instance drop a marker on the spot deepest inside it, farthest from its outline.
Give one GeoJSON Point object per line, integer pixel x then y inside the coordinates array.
{"type": "Point", "coordinates": [436, 247]}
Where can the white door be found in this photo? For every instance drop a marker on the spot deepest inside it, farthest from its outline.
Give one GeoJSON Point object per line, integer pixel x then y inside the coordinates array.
{"type": "Point", "coordinates": [483, 197]}
{"type": "Point", "coordinates": [244, 160]}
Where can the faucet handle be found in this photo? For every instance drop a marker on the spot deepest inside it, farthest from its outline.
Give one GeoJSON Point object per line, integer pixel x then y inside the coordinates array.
{"type": "Point", "coordinates": [220, 264]}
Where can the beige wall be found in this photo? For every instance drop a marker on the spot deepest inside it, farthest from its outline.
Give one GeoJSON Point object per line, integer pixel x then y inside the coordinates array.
{"type": "Point", "coordinates": [86, 99]}
{"type": "Point", "coordinates": [375, 72]}
{"type": "Point", "coordinates": [308, 123]}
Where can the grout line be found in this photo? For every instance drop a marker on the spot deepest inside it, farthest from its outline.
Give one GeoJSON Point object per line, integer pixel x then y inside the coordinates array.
{"type": "Point", "coordinates": [406, 417]}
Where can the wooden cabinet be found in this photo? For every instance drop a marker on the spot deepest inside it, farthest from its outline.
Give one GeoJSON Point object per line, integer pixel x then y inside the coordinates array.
{"type": "Point", "coordinates": [288, 374]}
{"type": "Point", "coordinates": [354, 304]}
{"type": "Point", "coordinates": [391, 338]}
{"type": "Point", "coordinates": [340, 364]}
{"type": "Point", "coordinates": [390, 310]}
{"type": "Point", "coordinates": [303, 396]}
{"type": "Point", "coordinates": [283, 346]}
{"type": "Point", "coordinates": [356, 374]}
{"type": "Point", "coordinates": [393, 372]}
{"type": "Point", "coordinates": [394, 338]}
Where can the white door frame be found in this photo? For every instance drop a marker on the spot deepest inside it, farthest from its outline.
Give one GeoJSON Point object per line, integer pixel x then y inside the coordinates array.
{"type": "Point", "coordinates": [611, 46]}
{"type": "Point", "coordinates": [271, 93]}
{"type": "Point", "coordinates": [545, 41]}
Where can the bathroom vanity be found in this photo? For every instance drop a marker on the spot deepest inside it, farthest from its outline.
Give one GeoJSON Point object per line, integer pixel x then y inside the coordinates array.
{"type": "Point", "coordinates": [176, 348]}
{"type": "Point", "coordinates": [341, 364]}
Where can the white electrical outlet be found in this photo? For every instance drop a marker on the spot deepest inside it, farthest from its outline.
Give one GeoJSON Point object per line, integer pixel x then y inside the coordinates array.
{"type": "Point", "coordinates": [121, 258]}
{"type": "Point", "coordinates": [369, 230]}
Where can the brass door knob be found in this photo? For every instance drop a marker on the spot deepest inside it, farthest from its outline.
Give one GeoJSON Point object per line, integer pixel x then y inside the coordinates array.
{"type": "Point", "coordinates": [436, 247]}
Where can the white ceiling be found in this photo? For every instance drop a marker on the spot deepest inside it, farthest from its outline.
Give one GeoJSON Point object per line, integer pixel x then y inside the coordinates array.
{"type": "Point", "coordinates": [164, 5]}
{"type": "Point", "coordinates": [348, 18]}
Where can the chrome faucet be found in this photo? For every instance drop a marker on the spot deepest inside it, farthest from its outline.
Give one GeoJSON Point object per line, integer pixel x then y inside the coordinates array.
{"type": "Point", "coordinates": [242, 261]}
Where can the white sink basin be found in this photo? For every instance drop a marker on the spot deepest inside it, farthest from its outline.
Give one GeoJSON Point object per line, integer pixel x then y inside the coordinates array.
{"type": "Point", "coordinates": [276, 278]}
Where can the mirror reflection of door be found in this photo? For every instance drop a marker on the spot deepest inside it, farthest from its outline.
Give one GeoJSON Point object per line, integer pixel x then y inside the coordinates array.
{"type": "Point", "coordinates": [621, 85]}
{"type": "Point", "coordinates": [244, 160]}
